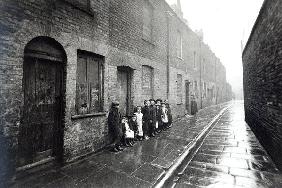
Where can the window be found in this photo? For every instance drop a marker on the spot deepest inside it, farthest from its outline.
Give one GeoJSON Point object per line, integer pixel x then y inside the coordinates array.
{"type": "Point", "coordinates": [147, 81]}
{"type": "Point", "coordinates": [179, 89]}
{"type": "Point", "coordinates": [194, 60]}
{"type": "Point", "coordinates": [147, 21]}
{"type": "Point", "coordinates": [89, 83]}
{"type": "Point", "coordinates": [179, 45]}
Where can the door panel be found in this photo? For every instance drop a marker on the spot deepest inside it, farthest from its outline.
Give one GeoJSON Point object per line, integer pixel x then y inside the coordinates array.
{"type": "Point", "coordinates": [124, 86]}
{"type": "Point", "coordinates": [123, 91]}
{"type": "Point", "coordinates": [42, 86]}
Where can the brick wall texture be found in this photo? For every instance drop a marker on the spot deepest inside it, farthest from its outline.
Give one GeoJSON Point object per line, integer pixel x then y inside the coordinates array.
{"type": "Point", "coordinates": [112, 29]}
{"type": "Point", "coordinates": [263, 79]}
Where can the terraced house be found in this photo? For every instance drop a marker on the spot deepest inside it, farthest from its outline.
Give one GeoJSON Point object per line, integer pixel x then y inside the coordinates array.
{"type": "Point", "coordinates": [62, 63]}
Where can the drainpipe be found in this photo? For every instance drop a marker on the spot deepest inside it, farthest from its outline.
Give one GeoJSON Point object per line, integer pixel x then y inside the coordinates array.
{"type": "Point", "coordinates": [168, 14]}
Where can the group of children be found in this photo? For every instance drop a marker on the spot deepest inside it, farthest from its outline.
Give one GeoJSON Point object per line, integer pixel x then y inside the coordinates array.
{"type": "Point", "coordinates": [147, 121]}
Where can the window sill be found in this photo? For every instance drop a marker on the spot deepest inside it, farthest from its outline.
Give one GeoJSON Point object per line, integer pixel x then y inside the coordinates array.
{"type": "Point", "coordinates": [88, 115]}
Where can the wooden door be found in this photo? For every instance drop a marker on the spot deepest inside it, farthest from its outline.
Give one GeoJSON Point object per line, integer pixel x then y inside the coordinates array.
{"type": "Point", "coordinates": [41, 126]}
{"type": "Point", "coordinates": [187, 95]}
{"type": "Point", "coordinates": [124, 84]}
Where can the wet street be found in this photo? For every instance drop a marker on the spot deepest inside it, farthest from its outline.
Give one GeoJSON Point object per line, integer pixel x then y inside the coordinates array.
{"type": "Point", "coordinates": [229, 157]}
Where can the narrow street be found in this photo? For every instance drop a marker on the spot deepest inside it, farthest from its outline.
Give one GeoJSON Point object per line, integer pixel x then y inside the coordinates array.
{"type": "Point", "coordinates": [139, 166]}
{"type": "Point", "coordinates": [230, 156]}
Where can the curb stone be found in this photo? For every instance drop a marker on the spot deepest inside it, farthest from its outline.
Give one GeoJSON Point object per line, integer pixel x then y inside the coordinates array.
{"type": "Point", "coordinates": [170, 172]}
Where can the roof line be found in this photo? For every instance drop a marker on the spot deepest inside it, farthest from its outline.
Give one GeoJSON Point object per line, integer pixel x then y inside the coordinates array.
{"type": "Point", "coordinates": [255, 26]}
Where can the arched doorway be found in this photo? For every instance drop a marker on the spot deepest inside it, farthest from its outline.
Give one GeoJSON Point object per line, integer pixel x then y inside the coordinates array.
{"type": "Point", "coordinates": [41, 131]}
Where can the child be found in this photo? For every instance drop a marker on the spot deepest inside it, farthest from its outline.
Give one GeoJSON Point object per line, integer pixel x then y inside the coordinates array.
{"type": "Point", "coordinates": [169, 114]}
{"type": "Point", "coordinates": [139, 121]}
{"type": "Point", "coordinates": [153, 118]}
{"type": "Point", "coordinates": [115, 129]}
{"type": "Point", "coordinates": [164, 116]}
{"type": "Point", "coordinates": [133, 126]}
{"type": "Point", "coordinates": [158, 117]}
{"type": "Point", "coordinates": [146, 119]}
{"type": "Point", "coordinates": [158, 102]}
{"type": "Point", "coordinates": [128, 133]}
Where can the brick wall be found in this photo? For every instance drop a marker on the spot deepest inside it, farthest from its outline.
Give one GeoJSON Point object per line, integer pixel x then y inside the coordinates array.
{"type": "Point", "coordinates": [263, 79]}
{"type": "Point", "coordinates": [112, 29]}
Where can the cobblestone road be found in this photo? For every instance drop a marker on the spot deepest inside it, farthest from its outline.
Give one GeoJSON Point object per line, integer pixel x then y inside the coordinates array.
{"type": "Point", "coordinates": [230, 156]}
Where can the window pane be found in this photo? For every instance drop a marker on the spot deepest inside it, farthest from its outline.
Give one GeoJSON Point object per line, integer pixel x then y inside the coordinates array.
{"type": "Point", "coordinates": [81, 86]}
{"type": "Point", "coordinates": [94, 84]}
{"type": "Point", "coordinates": [89, 83]}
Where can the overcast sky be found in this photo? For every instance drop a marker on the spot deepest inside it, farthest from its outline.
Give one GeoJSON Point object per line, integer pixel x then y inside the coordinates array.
{"type": "Point", "coordinates": [225, 23]}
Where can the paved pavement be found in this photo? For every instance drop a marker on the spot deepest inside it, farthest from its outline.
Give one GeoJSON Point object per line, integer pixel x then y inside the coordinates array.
{"type": "Point", "coordinates": [230, 156]}
{"type": "Point", "coordinates": [139, 166]}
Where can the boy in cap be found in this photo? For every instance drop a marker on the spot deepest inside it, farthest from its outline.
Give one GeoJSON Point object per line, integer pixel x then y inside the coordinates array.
{"type": "Point", "coordinates": [115, 129]}
{"type": "Point", "coordinates": [146, 119]}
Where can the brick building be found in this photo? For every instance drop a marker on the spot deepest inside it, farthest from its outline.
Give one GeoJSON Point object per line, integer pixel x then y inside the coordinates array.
{"type": "Point", "coordinates": [63, 62]}
{"type": "Point", "coordinates": [263, 79]}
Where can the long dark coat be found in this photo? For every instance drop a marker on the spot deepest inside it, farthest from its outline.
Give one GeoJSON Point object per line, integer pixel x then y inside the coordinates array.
{"type": "Point", "coordinates": [194, 108]}
{"type": "Point", "coordinates": [146, 113]}
{"type": "Point", "coordinates": [159, 114]}
{"type": "Point", "coordinates": [153, 114]}
{"type": "Point", "coordinates": [114, 121]}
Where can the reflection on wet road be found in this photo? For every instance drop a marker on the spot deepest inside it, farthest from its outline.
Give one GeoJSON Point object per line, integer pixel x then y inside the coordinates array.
{"type": "Point", "coordinates": [231, 156]}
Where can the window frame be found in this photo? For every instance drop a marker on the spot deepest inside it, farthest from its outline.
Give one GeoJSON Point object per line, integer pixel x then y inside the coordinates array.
{"type": "Point", "coordinates": [179, 45]}
{"type": "Point", "coordinates": [151, 88]}
{"type": "Point", "coordinates": [91, 58]}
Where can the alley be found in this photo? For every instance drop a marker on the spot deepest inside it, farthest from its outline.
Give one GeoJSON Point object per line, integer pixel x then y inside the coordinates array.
{"type": "Point", "coordinates": [230, 156]}
{"type": "Point", "coordinates": [139, 166]}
